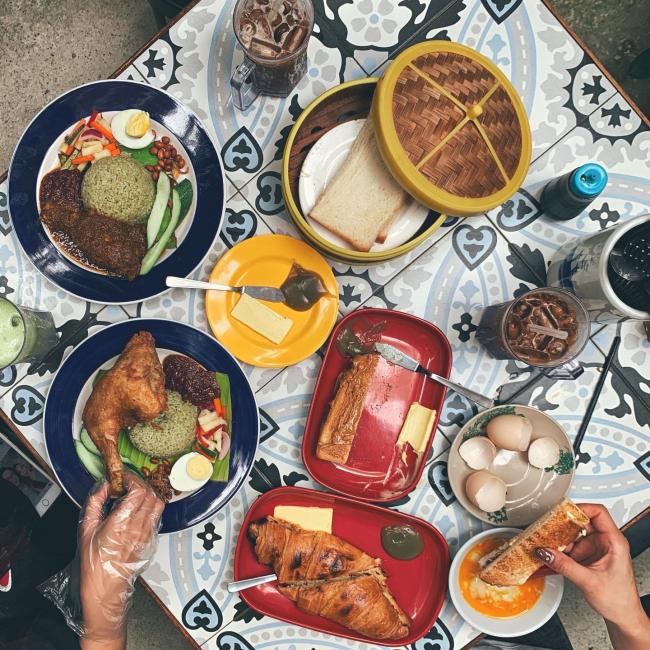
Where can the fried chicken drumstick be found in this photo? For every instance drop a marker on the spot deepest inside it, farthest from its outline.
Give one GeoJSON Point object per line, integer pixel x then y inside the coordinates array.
{"type": "Point", "coordinates": [132, 391]}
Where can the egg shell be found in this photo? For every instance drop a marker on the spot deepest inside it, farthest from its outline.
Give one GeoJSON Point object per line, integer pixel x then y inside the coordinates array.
{"type": "Point", "coordinates": [510, 432]}
{"type": "Point", "coordinates": [543, 452]}
{"type": "Point", "coordinates": [486, 491]}
{"type": "Point", "coordinates": [478, 452]}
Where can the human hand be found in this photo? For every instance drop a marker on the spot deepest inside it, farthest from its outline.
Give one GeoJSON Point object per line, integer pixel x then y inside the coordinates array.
{"type": "Point", "coordinates": [113, 552]}
{"type": "Point", "coordinates": [601, 567]}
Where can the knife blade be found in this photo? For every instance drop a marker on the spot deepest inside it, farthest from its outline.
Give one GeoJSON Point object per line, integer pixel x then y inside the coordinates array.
{"type": "Point", "coordinates": [271, 294]}
{"type": "Point", "coordinates": [399, 358]}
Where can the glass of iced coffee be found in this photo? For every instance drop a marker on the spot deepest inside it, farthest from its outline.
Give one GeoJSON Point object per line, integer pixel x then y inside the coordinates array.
{"type": "Point", "coordinates": [544, 327]}
{"type": "Point", "coordinates": [274, 35]}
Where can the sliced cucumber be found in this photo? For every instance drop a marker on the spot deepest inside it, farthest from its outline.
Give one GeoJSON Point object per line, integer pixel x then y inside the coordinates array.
{"type": "Point", "coordinates": [158, 210]}
{"type": "Point", "coordinates": [92, 463]}
{"type": "Point", "coordinates": [156, 250]}
{"type": "Point", "coordinates": [88, 443]}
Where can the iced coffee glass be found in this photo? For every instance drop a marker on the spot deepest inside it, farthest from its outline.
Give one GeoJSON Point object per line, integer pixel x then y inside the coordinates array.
{"type": "Point", "coordinates": [544, 327]}
{"type": "Point", "coordinates": [274, 35]}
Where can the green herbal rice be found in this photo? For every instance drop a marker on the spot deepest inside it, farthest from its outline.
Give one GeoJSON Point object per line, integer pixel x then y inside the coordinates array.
{"type": "Point", "coordinates": [171, 432]}
{"type": "Point", "coordinates": [119, 187]}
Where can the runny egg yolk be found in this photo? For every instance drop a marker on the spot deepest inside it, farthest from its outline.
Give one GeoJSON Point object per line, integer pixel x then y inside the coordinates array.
{"type": "Point", "coordinates": [199, 468]}
{"type": "Point", "coordinates": [138, 124]}
{"type": "Point", "coordinates": [498, 602]}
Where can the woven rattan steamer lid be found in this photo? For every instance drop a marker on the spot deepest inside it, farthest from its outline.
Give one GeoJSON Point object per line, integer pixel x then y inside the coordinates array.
{"type": "Point", "coordinates": [451, 128]}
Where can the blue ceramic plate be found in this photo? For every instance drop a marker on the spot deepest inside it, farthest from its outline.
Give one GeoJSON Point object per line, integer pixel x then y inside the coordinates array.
{"type": "Point", "coordinates": [48, 127]}
{"type": "Point", "coordinates": [63, 401]}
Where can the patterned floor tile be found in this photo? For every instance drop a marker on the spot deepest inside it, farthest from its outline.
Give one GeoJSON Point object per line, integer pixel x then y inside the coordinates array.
{"type": "Point", "coordinates": [372, 30]}
{"type": "Point", "coordinates": [633, 353]}
{"type": "Point", "coordinates": [131, 73]}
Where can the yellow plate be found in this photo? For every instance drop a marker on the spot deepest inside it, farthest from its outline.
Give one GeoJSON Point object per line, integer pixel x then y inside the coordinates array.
{"type": "Point", "coordinates": [266, 260]}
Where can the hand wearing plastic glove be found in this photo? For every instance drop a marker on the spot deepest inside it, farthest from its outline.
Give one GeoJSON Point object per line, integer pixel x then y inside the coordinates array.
{"type": "Point", "coordinates": [113, 552]}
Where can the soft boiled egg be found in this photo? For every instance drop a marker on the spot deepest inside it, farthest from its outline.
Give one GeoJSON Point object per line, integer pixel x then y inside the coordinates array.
{"type": "Point", "coordinates": [190, 472]}
{"type": "Point", "coordinates": [132, 128]}
{"type": "Point", "coordinates": [510, 432]}
{"type": "Point", "coordinates": [486, 491]}
{"type": "Point", "coordinates": [543, 452]}
{"type": "Point", "coordinates": [478, 452]}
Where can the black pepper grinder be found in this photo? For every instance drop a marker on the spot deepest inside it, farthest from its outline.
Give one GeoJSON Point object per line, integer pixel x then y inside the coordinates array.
{"type": "Point", "coordinates": [567, 196]}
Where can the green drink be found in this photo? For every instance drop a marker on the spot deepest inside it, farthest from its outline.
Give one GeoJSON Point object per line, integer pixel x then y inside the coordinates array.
{"type": "Point", "coordinates": [25, 335]}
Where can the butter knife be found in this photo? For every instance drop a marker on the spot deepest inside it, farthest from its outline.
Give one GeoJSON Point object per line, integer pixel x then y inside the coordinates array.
{"type": "Point", "coordinates": [399, 358]}
{"type": "Point", "coordinates": [271, 294]}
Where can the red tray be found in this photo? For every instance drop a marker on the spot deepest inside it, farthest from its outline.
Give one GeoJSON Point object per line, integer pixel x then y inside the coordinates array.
{"type": "Point", "coordinates": [363, 476]}
{"type": "Point", "coordinates": [419, 585]}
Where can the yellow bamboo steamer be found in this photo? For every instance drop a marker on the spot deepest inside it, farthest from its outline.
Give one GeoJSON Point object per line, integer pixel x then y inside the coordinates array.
{"type": "Point", "coordinates": [451, 128]}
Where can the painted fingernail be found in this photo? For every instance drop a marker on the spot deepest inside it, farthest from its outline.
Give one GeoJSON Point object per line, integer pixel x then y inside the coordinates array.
{"type": "Point", "coordinates": [544, 555]}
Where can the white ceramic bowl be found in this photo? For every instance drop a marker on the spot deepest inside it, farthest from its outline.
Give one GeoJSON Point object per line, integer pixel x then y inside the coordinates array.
{"type": "Point", "coordinates": [524, 623]}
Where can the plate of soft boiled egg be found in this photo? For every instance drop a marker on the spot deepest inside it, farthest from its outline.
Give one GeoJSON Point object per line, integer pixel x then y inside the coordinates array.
{"type": "Point", "coordinates": [508, 465]}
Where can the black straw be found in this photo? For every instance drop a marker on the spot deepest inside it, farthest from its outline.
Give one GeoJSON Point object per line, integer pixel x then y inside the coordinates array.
{"type": "Point", "coordinates": [597, 391]}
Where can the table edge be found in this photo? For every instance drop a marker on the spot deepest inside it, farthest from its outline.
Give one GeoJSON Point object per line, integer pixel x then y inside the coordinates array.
{"type": "Point", "coordinates": [552, 8]}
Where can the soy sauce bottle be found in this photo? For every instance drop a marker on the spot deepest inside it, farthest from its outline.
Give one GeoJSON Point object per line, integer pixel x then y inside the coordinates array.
{"type": "Point", "coordinates": [567, 196]}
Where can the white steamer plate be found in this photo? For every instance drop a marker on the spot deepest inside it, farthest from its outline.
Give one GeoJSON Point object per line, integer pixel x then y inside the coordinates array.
{"type": "Point", "coordinates": [322, 162]}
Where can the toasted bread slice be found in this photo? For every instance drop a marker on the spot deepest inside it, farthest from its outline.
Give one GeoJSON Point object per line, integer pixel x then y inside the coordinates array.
{"type": "Point", "coordinates": [516, 561]}
{"type": "Point", "coordinates": [363, 198]}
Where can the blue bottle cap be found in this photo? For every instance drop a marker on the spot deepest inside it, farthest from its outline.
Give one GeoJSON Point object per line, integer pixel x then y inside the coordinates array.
{"type": "Point", "coordinates": [588, 181]}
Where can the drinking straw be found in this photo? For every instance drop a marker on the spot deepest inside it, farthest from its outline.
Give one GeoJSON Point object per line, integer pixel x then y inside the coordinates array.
{"type": "Point", "coordinates": [594, 398]}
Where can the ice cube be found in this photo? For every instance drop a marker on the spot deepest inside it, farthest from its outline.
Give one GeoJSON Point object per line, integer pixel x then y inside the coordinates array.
{"type": "Point", "coordinates": [263, 48]}
{"type": "Point", "coordinates": [280, 32]}
{"type": "Point", "coordinates": [294, 39]}
{"type": "Point", "coordinates": [247, 30]}
{"type": "Point", "coordinates": [262, 26]}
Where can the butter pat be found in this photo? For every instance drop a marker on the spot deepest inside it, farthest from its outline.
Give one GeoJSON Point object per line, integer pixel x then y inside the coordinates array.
{"type": "Point", "coordinates": [417, 427]}
{"type": "Point", "coordinates": [261, 318]}
{"type": "Point", "coordinates": [307, 517]}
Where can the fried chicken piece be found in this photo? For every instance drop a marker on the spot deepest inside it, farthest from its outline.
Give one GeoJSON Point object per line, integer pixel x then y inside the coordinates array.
{"type": "Point", "coordinates": [132, 391]}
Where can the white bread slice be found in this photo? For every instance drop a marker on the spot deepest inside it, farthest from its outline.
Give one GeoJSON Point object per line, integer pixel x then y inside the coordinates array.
{"type": "Point", "coordinates": [516, 561]}
{"type": "Point", "coordinates": [363, 197]}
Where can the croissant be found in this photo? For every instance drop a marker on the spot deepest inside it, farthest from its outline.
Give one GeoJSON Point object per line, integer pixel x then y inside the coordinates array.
{"type": "Point", "coordinates": [326, 576]}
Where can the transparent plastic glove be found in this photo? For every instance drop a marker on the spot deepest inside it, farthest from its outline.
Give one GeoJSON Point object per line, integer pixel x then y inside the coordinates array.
{"type": "Point", "coordinates": [113, 550]}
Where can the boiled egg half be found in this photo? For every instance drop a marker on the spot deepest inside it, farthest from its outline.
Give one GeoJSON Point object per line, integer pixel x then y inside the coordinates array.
{"type": "Point", "coordinates": [190, 472]}
{"type": "Point", "coordinates": [132, 128]}
{"type": "Point", "coordinates": [478, 452]}
{"type": "Point", "coordinates": [510, 432]}
{"type": "Point", "coordinates": [543, 452]}
{"type": "Point", "coordinates": [486, 491]}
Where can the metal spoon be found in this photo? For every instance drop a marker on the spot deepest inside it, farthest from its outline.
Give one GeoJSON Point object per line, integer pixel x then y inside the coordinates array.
{"type": "Point", "coordinates": [271, 294]}
{"type": "Point", "coordinates": [234, 587]}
